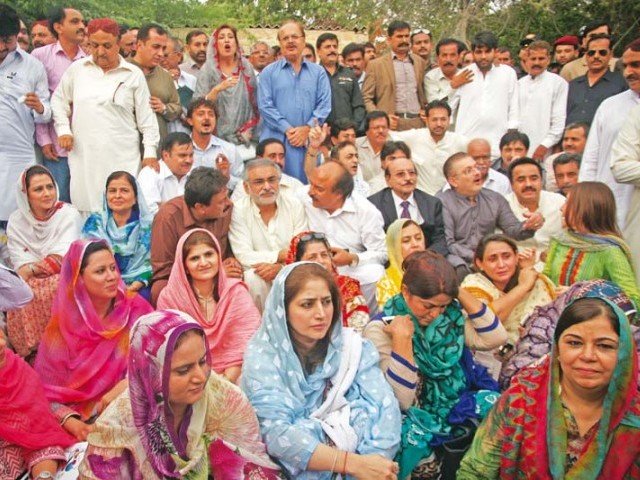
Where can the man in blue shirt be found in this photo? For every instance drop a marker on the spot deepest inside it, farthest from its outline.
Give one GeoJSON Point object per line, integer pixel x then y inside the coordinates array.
{"type": "Point", "coordinates": [293, 96]}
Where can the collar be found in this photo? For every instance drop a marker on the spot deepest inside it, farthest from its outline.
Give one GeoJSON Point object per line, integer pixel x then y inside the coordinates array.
{"type": "Point", "coordinates": [57, 49]}
{"type": "Point", "coordinates": [125, 64]}
{"type": "Point", "coordinates": [397, 200]}
{"type": "Point", "coordinates": [191, 63]}
{"type": "Point", "coordinates": [153, 71]}
{"type": "Point", "coordinates": [536, 79]}
{"type": "Point", "coordinates": [349, 206]}
{"type": "Point", "coordinates": [165, 172]}
{"type": "Point", "coordinates": [395, 57]}
{"type": "Point", "coordinates": [287, 64]}
{"type": "Point", "coordinates": [213, 142]}
{"type": "Point", "coordinates": [17, 54]}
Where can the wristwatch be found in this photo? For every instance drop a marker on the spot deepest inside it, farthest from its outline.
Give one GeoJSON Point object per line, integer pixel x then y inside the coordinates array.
{"type": "Point", "coordinates": [43, 475]}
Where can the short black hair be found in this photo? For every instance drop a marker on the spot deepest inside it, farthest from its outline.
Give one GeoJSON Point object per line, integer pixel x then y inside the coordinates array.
{"type": "Point", "coordinates": [262, 146]}
{"type": "Point", "coordinates": [334, 154]}
{"type": "Point", "coordinates": [175, 138]}
{"type": "Point", "coordinates": [566, 158]}
{"type": "Point", "coordinates": [396, 25]}
{"type": "Point", "coordinates": [194, 33]}
{"type": "Point", "coordinates": [437, 104]}
{"type": "Point", "coordinates": [375, 114]}
{"type": "Point", "coordinates": [201, 102]}
{"type": "Point", "coordinates": [484, 39]}
{"type": "Point", "coordinates": [57, 15]}
{"type": "Point", "coordinates": [504, 50]}
{"type": "Point", "coordinates": [202, 184]}
{"type": "Point", "coordinates": [310, 47]}
{"type": "Point", "coordinates": [366, 45]}
{"type": "Point", "coordinates": [326, 36]}
{"type": "Point", "coordinates": [575, 125]}
{"type": "Point", "coordinates": [514, 136]}
{"type": "Point", "coordinates": [145, 31]}
{"type": "Point", "coordinates": [131, 180]}
{"type": "Point", "coordinates": [352, 48]}
{"type": "Point", "coordinates": [342, 124]}
{"type": "Point", "coordinates": [450, 162]}
{"type": "Point", "coordinates": [9, 21]}
{"type": "Point", "coordinates": [522, 161]}
{"type": "Point", "coordinates": [447, 41]}
{"type": "Point", "coordinates": [600, 36]}
{"type": "Point", "coordinates": [392, 146]}
{"type": "Point", "coordinates": [591, 26]}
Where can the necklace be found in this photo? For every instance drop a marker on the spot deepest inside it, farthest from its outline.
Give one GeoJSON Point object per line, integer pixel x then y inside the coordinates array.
{"type": "Point", "coordinates": [204, 302]}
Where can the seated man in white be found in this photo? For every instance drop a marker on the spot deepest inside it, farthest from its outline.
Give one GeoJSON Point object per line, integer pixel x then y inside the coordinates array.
{"type": "Point", "coordinates": [262, 225]}
{"type": "Point", "coordinates": [177, 160]}
{"type": "Point", "coordinates": [480, 151]}
{"type": "Point", "coordinates": [352, 224]}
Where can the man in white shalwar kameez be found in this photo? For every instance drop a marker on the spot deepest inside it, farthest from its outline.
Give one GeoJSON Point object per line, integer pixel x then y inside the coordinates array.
{"type": "Point", "coordinates": [100, 109]}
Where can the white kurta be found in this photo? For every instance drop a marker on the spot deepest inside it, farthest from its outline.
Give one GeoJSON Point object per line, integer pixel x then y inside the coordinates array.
{"type": "Point", "coordinates": [429, 156]}
{"type": "Point", "coordinates": [160, 187]}
{"type": "Point", "coordinates": [488, 106]}
{"type": "Point", "coordinates": [105, 112]}
{"type": "Point", "coordinates": [625, 165]}
{"type": "Point", "coordinates": [595, 164]}
{"type": "Point", "coordinates": [542, 108]}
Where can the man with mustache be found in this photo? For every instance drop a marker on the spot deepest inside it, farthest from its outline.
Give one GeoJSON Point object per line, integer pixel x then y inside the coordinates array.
{"type": "Point", "coordinates": [578, 67]}
{"type": "Point", "coordinates": [376, 127]}
{"type": "Point", "coordinates": [401, 199]}
{"type": "Point", "coordinates": [346, 98]}
{"type": "Point", "coordinates": [394, 82]}
{"type": "Point", "coordinates": [528, 197]}
{"type": "Point", "coordinates": [587, 92]}
{"type": "Point", "coordinates": [205, 204]}
{"type": "Point", "coordinates": [487, 106]}
{"type": "Point", "coordinates": [346, 154]}
{"type": "Point", "coordinates": [353, 56]}
{"type": "Point", "coordinates": [605, 127]}
{"type": "Point", "coordinates": [294, 95]}
{"type": "Point", "coordinates": [262, 225]}
{"type": "Point", "coordinates": [421, 44]}
{"type": "Point", "coordinates": [98, 94]}
{"type": "Point", "coordinates": [197, 42]}
{"type": "Point", "coordinates": [41, 35]}
{"type": "Point", "coordinates": [574, 140]}
{"type": "Point", "coordinates": [440, 82]}
{"type": "Point", "coordinates": [543, 102]}
{"type": "Point", "coordinates": [67, 26]}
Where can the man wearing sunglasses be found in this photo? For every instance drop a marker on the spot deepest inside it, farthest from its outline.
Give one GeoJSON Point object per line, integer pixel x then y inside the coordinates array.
{"type": "Point", "coordinates": [587, 92]}
{"type": "Point", "coordinates": [578, 67]}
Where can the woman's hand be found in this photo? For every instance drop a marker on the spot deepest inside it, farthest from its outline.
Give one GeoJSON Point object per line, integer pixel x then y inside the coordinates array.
{"type": "Point", "coordinates": [135, 286]}
{"type": "Point", "coordinates": [221, 87]}
{"type": "Point", "coordinates": [26, 272]}
{"type": "Point", "coordinates": [78, 428]}
{"type": "Point", "coordinates": [527, 257]}
{"type": "Point", "coordinates": [371, 467]}
{"type": "Point", "coordinates": [111, 395]}
{"type": "Point", "coordinates": [527, 278]}
{"type": "Point", "coordinates": [401, 327]}
{"type": "Point", "coordinates": [43, 466]}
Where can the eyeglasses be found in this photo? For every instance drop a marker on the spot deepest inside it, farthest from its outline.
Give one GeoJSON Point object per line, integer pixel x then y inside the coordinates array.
{"type": "Point", "coordinates": [313, 236]}
{"type": "Point", "coordinates": [602, 52]}
{"type": "Point", "coordinates": [420, 30]}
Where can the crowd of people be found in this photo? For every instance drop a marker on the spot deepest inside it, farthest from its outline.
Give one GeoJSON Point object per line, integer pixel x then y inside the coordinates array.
{"type": "Point", "coordinates": [310, 262]}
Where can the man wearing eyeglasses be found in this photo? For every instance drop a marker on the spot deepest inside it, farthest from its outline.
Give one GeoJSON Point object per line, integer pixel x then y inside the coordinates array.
{"type": "Point", "coordinates": [587, 92]}
{"type": "Point", "coordinates": [421, 44]}
{"type": "Point", "coordinates": [578, 67]}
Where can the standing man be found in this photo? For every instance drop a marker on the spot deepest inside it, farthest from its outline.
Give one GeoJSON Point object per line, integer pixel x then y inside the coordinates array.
{"type": "Point", "coordinates": [488, 105]}
{"type": "Point", "coordinates": [503, 57]}
{"type": "Point", "coordinates": [394, 82]}
{"type": "Point", "coordinates": [197, 42]}
{"type": "Point", "coordinates": [184, 82]}
{"type": "Point", "coordinates": [260, 57]}
{"type": "Point", "coordinates": [587, 92]}
{"type": "Point", "coordinates": [346, 98]}
{"type": "Point", "coordinates": [24, 102]}
{"type": "Point", "coordinates": [128, 39]}
{"type": "Point", "coordinates": [543, 100]}
{"type": "Point", "coordinates": [421, 45]}
{"type": "Point", "coordinates": [68, 27]}
{"type": "Point", "coordinates": [82, 116]}
{"type": "Point", "coordinates": [566, 49]}
{"type": "Point", "coordinates": [440, 82]}
{"type": "Point", "coordinates": [41, 35]}
{"type": "Point", "coordinates": [578, 67]}
{"type": "Point", "coordinates": [353, 57]}
{"type": "Point", "coordinates": [152, 41]}
{"type": "Point", "coordinates": [294, 95]}
{"type": "Point", "coordinates": [605, 127]}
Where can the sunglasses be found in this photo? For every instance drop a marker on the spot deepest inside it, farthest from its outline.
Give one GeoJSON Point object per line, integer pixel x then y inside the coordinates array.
{"type": "Point", "coordinates": [421, 30]}
{"type": "Point", "coordinates": [313, 236]}
{"type": "Point", "coordinates": [603, 52]}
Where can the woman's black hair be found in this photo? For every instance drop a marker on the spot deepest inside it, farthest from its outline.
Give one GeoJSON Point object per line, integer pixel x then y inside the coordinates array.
{"type": "Point", "coordinates": [482, 246]}
{"type": "Point", "coordinates": [126, 175]}
{"type": "Point", "coordinates": [583, 310]}
{"type": "Point", "coordinates": [427, 274]}
{"type": "Point", "coordinates": [36, 170]}
{"type": "Point", "coordinates": [92, 248]}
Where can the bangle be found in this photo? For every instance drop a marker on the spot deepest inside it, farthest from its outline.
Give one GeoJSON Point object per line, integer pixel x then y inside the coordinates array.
{"type": "Point", "coordinates": [335, 460]}
{"type": "Point", "coordinates": [344, 464]}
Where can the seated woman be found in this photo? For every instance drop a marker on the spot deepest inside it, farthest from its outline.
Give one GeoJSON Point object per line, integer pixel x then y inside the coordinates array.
{"type": "Point", "coordinates": [228, 80]}
{"type": "Point", "coordinates": [175, 419]}
{"type": "Point", "coordinates": [592, 246]}
{"type": "Point", "coordinates": [537, 337]}
{"type": "Point", "coordinates": [30, 437]}
{"type": "Point", "coordinates": [424, 341]}
{"type": "Point", "coordinates": [314, 247]}
{"type": "Point", "coordinates": [199, 286]}
{"type": "Point", "coordinates": [38, 236]}
{"type": "Point", "coordinates": [509, 284]}
{"type": "Point", "coordinates": [82, 358]}
{"type": "Point", "coordinates": [322, 402]}
{"type": "Point", "coordinates": [576, 415]}
{"type": "Point", "coordinates": [403, 238]}
{"type": "Point", "coordinates": [125, 224]}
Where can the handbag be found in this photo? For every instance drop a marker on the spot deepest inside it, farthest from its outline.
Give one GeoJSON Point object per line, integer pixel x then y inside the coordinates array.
{"type": "Point", "coordinates": [452, 450]}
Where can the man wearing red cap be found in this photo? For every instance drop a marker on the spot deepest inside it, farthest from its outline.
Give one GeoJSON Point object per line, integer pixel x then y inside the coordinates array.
{"type": "Point", "coordinates": [111, 109]}
{"type": "Point", "coordinates": [566, 49]}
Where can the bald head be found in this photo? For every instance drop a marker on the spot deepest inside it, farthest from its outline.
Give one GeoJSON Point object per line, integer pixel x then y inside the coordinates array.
{"type": "Point", "coordinates": [480, 150]}
{"type": "Point", "coordinates": [329, 186]}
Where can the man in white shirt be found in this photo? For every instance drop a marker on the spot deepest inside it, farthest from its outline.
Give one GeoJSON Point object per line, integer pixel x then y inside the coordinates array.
{"type": "Point", "coordinates": [260, 57]}
{"type": "Point", "coordinates": [168, 183]}
{"type": "Point", "coordinates": [262, 225]}
{"type": "Point", "coordinates": [352, 224]}
{"type": "Point", "coordinates": [543, 102]}
{"type": "Point", "coordinates": [487, 106]}
{"type": "Point", "coordinates": [480, 151]}
{"type": "Point", "coordinates": [209, 150]}
{"type": "Point", "coordinates": [605, 127]}
{"type": "Point", "coordinates": [440, 82]}
{"type": "Point", "coordinates": [528, 197]}
{"type": "Point", "coordinates": [574, 141]}
{"type": "Point", "coordinates": [431, 146]}
{"type": "Point", "coordinates": [566, 169]}
{"type": "Point", "coordinates": [346, 154]}
{"type": "Point", "coordinates": [376, 127]}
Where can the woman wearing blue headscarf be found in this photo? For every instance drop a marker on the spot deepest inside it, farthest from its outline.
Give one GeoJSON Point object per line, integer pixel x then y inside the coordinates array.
{"type": "Point", "coordinates": [125, 224]}
{"type": "Point", "coordinates": [323, 404]}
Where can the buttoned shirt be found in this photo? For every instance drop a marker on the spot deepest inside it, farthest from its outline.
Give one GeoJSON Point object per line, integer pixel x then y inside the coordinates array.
{"type": "Point", "coordinates": [55, 62]}
{"type": "Point", "coordinates": [289, 184]}
{"type": "Point", "coordinates": [414, 213]}
{"type": "Point", "coordinates": [578, 67]}
{"type": "Point", "coordinates": [487, 106]}
{"type": "Point", "coordinates": [495, 181]}
{"type": "Point", "coordinates": [346, 97]}
{"type": "Point", "coordinates": [436, 85]}
{"type": "Point", "coordinates": [583, 100]}
{"type": "Point", "coordinates": [217, 146]}
{"type": "Point", "coordinates": [542, 109]}
{"type": "Point", "coordinates": [254, 242]}
{"type": "Point", "coordinates": [160, 187]}
{"type": "Point", "coordinates": [595, 165]}
{"type": "Point", "coordinates": [368, 160]}
{"type": "Point", "coordinates": [429, 156]}
{"type": "Point", "coordinates": [406, 85]}
{"type": "Point", "coordinates": [190, 66]}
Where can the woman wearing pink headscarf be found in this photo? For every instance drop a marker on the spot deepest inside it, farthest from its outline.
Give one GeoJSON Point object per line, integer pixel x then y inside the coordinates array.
{"type": "Point", "coordinates": [199, 286]}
